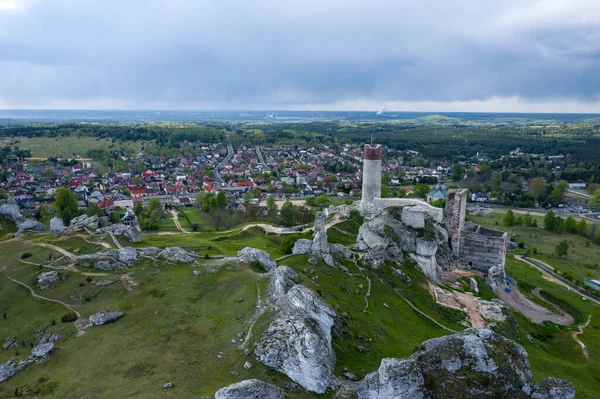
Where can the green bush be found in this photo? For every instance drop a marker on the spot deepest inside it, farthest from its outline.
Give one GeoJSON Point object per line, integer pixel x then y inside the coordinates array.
{"type": "Point", "coordinates": [68, 317]}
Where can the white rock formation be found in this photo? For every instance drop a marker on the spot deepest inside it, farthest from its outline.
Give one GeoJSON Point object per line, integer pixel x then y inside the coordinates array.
{"type": "Point", "coordinates": [57, 225]}
{"type": "Point", "coordinates": [298, 341]}
{"type": "Point", "coordinates": [249, 255]}
{"type": "Point", "coordinates": [250, 389]}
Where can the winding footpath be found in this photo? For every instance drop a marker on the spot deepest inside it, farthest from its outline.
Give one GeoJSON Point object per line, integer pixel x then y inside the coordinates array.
{"type": "Point", "coordinates": [579, 332]}
{"type": "Point", "coordinates": [78, 324]}
{"type": "Point", "coordinates": [368, 294]}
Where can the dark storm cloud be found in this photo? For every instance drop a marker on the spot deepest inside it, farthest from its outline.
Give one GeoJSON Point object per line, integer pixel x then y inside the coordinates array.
{"type": "Point", "coordinates": [232, 54]}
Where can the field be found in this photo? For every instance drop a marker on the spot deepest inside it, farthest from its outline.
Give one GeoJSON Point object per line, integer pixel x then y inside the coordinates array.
{"type": "Point", "coordinates": [66, 146]}
{"type": "Point", "coordinates": [179, 327]}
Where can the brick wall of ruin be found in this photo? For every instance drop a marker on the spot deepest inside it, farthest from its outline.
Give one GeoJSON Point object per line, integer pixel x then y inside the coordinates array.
{"type": "Point", "coordinates": [483, 251]}
{"type": "Point", "coordinates": [454, 217]}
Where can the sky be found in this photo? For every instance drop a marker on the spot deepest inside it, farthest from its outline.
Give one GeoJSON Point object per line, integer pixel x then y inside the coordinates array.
{"type": "Point", "coordinates": [417, 55]}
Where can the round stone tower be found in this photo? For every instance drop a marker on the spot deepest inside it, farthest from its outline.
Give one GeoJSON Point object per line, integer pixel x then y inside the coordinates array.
{"type": "Point", "coordinates": [371, 184]}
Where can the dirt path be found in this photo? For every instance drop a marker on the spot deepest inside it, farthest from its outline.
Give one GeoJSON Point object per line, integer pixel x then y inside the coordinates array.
{"type": "Point", "coordinates": [117, 243]}
{"type": "Point", "coordinates": [77, 323]}
{"type": "Point", "coordinates": [458, 300]}
{"type": "Point", "coordinates": [260, 309]}
{"type": "Point", "coordinates": [86, 239]}
{"type": "Point", "coordinates": [368, 294]}
{"type": "Point", "coordinates": [536, 293]}
{"type": "Point", "coordinates": [550, 276]}
{"type": "Point", "coordinates": [57, 249]}
{"type": "Point", "coordinates": [579, 332]}
{"type": "Point", "coordinates": [416, 309]}
{"type": "Point", "coordinates": [533, 311]}
{"type": "Point", "coordinates": [176, 221]}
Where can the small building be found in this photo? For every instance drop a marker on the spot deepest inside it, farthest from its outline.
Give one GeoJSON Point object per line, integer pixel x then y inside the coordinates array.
{"type": "Point", "coordinates": [128, 218]}
{"type": "Point", "coordinates": [594, 284]}
{"type": "Point", "coordinates": [439, 192]}
{"type": "Point", "coordinates": [577, 186]}
{"type": "Point", "coordinates": [479, 197]}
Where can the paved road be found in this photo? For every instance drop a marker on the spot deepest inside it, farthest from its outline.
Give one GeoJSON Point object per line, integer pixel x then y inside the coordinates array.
{"type": "Point", "coordinates": [227, 159]}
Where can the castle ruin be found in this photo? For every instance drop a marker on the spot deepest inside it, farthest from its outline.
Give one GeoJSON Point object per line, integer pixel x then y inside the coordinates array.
{"type": "Point", "coordinates": [479, 248]}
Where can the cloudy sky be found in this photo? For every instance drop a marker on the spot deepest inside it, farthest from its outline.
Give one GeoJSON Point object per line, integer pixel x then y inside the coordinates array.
{"type": "Point", "coordinates": [405, 55]}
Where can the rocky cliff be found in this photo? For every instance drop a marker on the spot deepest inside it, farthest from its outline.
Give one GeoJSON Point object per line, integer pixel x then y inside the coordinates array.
{"type": "Point", "coordinates": [476, 363]}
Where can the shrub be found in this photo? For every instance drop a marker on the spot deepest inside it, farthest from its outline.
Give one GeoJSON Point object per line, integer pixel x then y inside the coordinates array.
{"type": "Point", "coordinates": [26, 255]}
{"type": "Point", "coordinates": [68, 317]}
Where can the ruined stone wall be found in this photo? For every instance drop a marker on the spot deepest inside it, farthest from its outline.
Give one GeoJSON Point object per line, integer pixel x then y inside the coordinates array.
{"type": "Point", "coordinates": [417, 206]}
{"type": "Point", "coordinates": [454, 217]}
{"type": "Point", "coordinates": [371, 184]}
{"type": "Point", "coordinates": [483, 251]}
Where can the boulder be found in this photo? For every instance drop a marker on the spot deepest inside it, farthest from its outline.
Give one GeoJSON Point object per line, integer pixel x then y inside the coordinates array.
{"type": "Point", "coordinates": [250, 389]}
{"type": "Point", "coordinates": [249, 255]}
{"type": "Point", "coordinates": [132, 233]}
{"type": "Point", "coordinates": [26, 225]}
{"type": "Point", "coordinates": [339, 251]}
{"type": "Point", "coordinates": [57, 225]}
{"type": "Point", "coordinates": [298, 341]}
{"type": "Point", "coordinates": [11, 211]}
{"type": "Point", "coordinates": [106, 261]}
{"type": "Point", "coordinates": [9, 369]}
{"type": "Point", "coordinates": [150, 251]}
{"type": "Point", "coordinates": [81, 223]}
{"type": "Point", "coordinates": [302, 246]}
{"type": "Point", "coordinates": [294, 346]}
{"type": "Point", "coordinates": [472, 363]}
{"type": "Point", "coordinates": [104, 317]}
{"type": "Point", "coordinates": [11, 342]}
{"type": "Point", "coordinates": [42, 350]}
{"type": "Point", "coordinates": [102, 283]}
{"type": "Point", "coordinates": [47, 280]}
{"type": "Point", "coordinates": [176, 254]}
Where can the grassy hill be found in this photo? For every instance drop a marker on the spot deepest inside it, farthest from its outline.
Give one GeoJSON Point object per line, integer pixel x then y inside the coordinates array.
{"type": "Point", "coordinates": [179, 327]}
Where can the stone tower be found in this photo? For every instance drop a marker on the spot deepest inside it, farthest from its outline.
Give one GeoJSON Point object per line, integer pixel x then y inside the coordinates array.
{"type": "Point", "coordinates": [371, 184]}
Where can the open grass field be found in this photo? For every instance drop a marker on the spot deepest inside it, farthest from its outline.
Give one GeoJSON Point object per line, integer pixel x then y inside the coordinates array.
{"type": "Point", "coordinates": [179, 327]}
{"type": "Point", "coordinates": [65, 147]}
{"type": "Point", "coordinates": [554, 352]}
{"type": "Point", "coordinates": [581, 250]}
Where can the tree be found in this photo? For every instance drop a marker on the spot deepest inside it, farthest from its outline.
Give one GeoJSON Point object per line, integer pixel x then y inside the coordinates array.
{"type": "Point", "coordinates": [556, 197]}
{"type": "Point", "coordinates": [549, 220]}
{"type": "Point", "coordinates": [509, 218]}
{"type": "Point", "coordinates": [527, 220]}
{"type": "Point", "coordinates": [562, 249]}
{"type": "Point", "coordinates": [66, 204]}
{"type": "Point", "coordinates": [206, 202]}
{"type": "Point", "coordinates": [457, 172]}
{"type": "Point", "coordinates": [421, 190]}
{"type": "Point", "coordinates": [271, 209]}
{"type": "Point", "coordinates": [570, 225]}
{"type": "Point", "coordinates": [287, 214]}
{"type": "Point", "coordinates": [221, 200]}
{"type": "Point", "coordinates": [150, 216]}
{"type": "Point", "coordinates": [558, 226]}
{"type": "Point", "coordinates": [138, 208]}
{"type": "Point", "coordinates": [537, 188]}
{"type": "Point", "coordinates": [94, 210]}
{"type": "Point", "coordinates": [200, 198]}
{"type": "Point", "coordinates": [582, 228]}
{"type": "Point", "coordinates": [47, 212]}
{"type": "Point", "coordinates": [3, 194]}
{"type": "Point", "coordinates": [594, 202]}
{"type": "Point", "coordinates": [496, 181]}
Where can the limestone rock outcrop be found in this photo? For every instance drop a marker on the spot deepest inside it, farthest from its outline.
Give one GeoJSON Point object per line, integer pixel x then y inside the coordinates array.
{"type": "Point", "coordinates": [250, 389]}
{"type": "Point", "coordinates": [319, 247]}
{"type": "Point", "coordinates": [132, 233]}
{"type": "Point", "coordinates": [11, 211]}
{"type": "Point", "coordinates": [27, 225]}
{"type": "Point", "coordinates": [249, 255]}
{"type": "Point", "coordinates": [409, 230]}
{"type": "Point", "coordinates": [81, 223]}
{"type": "Point", "coordinates": [12, 367]}
{"type": "Point", "coordinates": [57, 225]}
{"type": "Point", "coordinates": [473, 363]}
{"type": "Point", "coordinates": [176, 254]}
{"type": "Point", "coordinates": [48, 280]}
{"type": "Point", "coordinates": [298, 341]}
{"type": "Point", "coordinates": [102, 317]}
